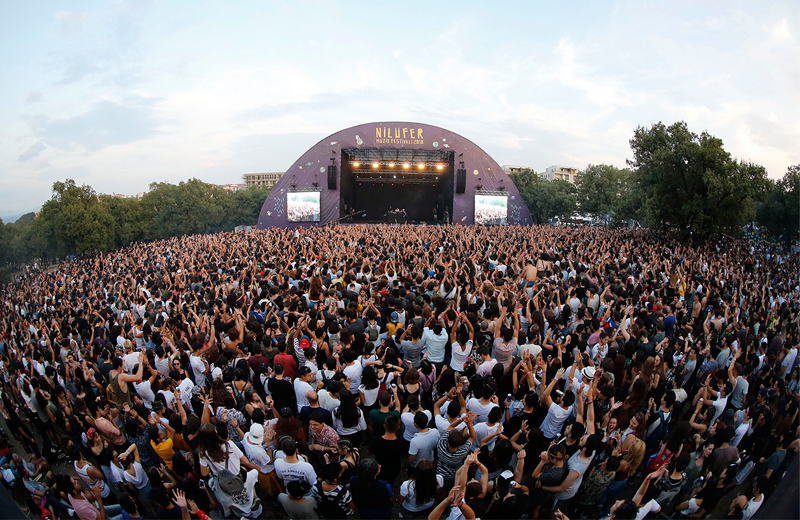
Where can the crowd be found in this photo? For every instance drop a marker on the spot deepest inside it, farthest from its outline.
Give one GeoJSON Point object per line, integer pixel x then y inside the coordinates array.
{"type": "Point", "coordinates": [428, 372]}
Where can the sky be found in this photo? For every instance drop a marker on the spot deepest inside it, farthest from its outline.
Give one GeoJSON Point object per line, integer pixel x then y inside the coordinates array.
{"type": "Point", "coordinates": [121, 94]}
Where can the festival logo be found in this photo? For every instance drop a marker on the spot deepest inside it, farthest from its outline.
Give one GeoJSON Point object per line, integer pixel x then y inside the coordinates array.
{"type": "Point", "coordinates": [398, 135]}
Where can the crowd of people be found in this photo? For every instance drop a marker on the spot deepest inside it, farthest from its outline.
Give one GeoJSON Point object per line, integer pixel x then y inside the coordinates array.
{"type": "Point", "coordinates": [427, 372]}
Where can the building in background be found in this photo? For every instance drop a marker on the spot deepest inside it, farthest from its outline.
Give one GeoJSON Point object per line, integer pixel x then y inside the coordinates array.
{"type": "Point", "coordinates": [261, 179]}
{"type": "Point", "coordinates": [232, 187]}
{"type": "Point", "coordinates": [561, 173]}
{"type": "Point", "coordinates": [509, 168]}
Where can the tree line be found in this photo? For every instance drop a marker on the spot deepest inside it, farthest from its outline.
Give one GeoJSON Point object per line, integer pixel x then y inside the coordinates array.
{"type": "Point", "coordinates": [677, 181]}
{"type": "Point", "coordinates": [76, 220]}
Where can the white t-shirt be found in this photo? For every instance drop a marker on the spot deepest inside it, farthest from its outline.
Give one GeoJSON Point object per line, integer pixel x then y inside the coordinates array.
{"type": "Point", "coordinates": [556, 415]}
{"type": "Point", "coordinates": [460, 355]}
{"type": "Point", "coordinates": [474, 405]}
{"type": "Point", "coordinates": [407, 490]}
{"type": "Point", "coordinates": [407, 418]}
{"type": "Point", "coordinates": [486, 367]}
{"type": "Point", "coordinates": [423, 445]}
{"type": "Point", "coordinates": [233, 464]}
{"type": "Point", "coordinates": [146, 393]}
{"type": "Point", "coordinates": [198, 368]}
{"type": "Point", "coordinates": [300, 470]}
{"type": "Point", "coordinates": [650, 507]}
{"type": "Point", "coordinates": [257, 454]}
{"type": "Point", "coordinates": [301, 390]}
{"type": "Point", "coordinates": [482, 430]}
{"type": "Point", "coordinates": [353, 372]}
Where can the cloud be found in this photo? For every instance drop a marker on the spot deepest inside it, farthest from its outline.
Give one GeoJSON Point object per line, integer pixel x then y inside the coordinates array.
{"type": "Point", "coordinates": [107, 123]}
{"type": "Point", "coordinates": [69, 23]}
{"type": "Point", "coordinates": [32, 151]}
{"type": "Point", "coordinates": [78, 67]}
{"type": "Point", "coordinates": [34, 97]}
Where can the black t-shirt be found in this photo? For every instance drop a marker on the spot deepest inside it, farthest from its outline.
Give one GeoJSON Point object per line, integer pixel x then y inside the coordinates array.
{"type": "Point", "coordinates": [282, 393]}
{"type": "Point", "coordinates": [389, 455]}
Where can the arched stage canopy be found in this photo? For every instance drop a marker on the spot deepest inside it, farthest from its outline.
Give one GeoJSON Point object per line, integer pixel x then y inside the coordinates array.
{"type": "Point", "coordinates": [383, 166]}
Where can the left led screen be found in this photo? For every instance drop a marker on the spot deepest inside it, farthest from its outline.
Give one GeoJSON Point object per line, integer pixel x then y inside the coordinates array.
{"type": "Point", "coordinates": [302, 206]}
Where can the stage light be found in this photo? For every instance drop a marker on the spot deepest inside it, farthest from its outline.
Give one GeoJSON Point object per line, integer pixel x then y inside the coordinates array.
{"type": "Point", "coordinates": [356, 164]}
{"type": "Point", "coordinates": [421, 166]}
{"type": "Point", "coordinates": [406, 165]}
{"type": "Point", "coordinates": [391, 165]}
{"type": "Point", "coordinates": [439, 166]}
{"type": "Point", "coordinates": [394, 176]}
{"type": "Point", "coordinates": [374, 165]}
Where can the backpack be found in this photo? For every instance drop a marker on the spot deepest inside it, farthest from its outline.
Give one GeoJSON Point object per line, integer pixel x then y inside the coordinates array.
{"type": "Point", "coordinates": [663, 427]}
{"type": "Point", "coordinates": [229, 483]}
{"type": "Point", "coordinates": [328, 508]}
{"type": "Point", "coordinates": [373, 331]}
{"type": "Point", "coordinates": [660, 459]}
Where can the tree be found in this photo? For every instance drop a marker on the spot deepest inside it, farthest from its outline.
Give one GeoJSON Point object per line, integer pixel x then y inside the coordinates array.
{"type": "Point", "coordinates": [546, 200]}
{"type": "Point", "coordinates": [690, 185]}
{"type": "Point", "coordinates": [600, 189]}
{"type": "Point", "coordinates": [780, 212]}
{"type": "Point", "coordinates": [128, 220]}
{"type": "Point", "coordinates": [188, 208]}
{"type": "Point", "coordinates": [75, 221]}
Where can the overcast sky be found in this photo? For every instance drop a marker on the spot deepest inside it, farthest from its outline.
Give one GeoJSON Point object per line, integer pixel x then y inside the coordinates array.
{"type": "Point", "coordinates": [121, 94]}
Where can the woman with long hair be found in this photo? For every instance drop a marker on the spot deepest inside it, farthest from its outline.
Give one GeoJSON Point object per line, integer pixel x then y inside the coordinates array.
{"type": "Point", "coordinates": [631, 460]}
{"type": "Point", "coordinates": [288, 425]}
{"type": "Point", "coordinates": [368, 389]}
{"type": "Point", "coordinates": [418, 493]}
{"type": "Point", "coordinates": [373, 496]}
{"type": "Point", "coordinates": [216, 455]}
{"type": "Point", "coordinates": [348, 419]}
{"type": "Point", "coordinates": [635, 430]}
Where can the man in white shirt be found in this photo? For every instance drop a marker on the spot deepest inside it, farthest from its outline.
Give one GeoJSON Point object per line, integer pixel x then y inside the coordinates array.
{"type": "Point", "coordinates": [487, 364]}
{"type": "Point", "coordinates": [302, 386]}
{"type": "Point", "coordinates": [423, 444]}
{"type": "Point", "coordinates": [199, 365]}
{"type": "Point", "coordinates": [557, 410]}
{"type": "Point", "coordinates": [292, 467]}
{"type": "Point", "coordinates": [329, 399]}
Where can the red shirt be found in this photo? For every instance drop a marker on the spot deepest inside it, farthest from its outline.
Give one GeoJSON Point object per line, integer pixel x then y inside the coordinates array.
{"type": "Point", "coordinates": [289, 364]}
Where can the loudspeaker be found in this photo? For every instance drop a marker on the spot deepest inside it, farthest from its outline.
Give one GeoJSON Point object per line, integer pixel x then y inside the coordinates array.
{"type": "Point", "coordinates": [332, 177]}
{"type": "Point", "coordinates": [461, 180]}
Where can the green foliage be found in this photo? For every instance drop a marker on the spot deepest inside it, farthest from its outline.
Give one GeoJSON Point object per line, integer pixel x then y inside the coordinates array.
{"type": "Point", "coordinates": [604, 191]}
{"type": "Point", "coordinates": [779, 214]}
{"type": "Point", "coordinates": [689, 185]}
{"type": "Point", "coordinates": [546, 200]}
{"type": "Point", "coordinates": [24, 219]}
{"type": "Point", "coordinates": [77, 220]}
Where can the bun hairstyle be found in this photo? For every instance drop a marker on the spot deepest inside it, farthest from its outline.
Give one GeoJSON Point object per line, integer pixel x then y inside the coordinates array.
{"type": "Point", "coordinates": [558, 452]}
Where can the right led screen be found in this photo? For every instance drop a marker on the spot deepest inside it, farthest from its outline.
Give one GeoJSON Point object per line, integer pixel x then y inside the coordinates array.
{"type": "Point", "coordinates": [491, 209]}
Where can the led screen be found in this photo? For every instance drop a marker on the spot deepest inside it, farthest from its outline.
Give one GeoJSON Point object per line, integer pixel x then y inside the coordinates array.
{"type": "Point", "coordinates": [302, 206]}
{"type": "Point", "coordinates": [491, 209]}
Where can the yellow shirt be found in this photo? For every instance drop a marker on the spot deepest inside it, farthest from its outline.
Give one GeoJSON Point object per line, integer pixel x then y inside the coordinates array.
{"type": "Point", "coordinates": [164, 450]}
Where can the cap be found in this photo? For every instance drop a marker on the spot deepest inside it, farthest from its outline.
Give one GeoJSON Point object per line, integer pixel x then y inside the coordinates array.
{"type": "Point", "coordinates": [285, 412]}
{"type": "Point", "coordinates": [588, 373]}
{"type": "Point", "coordinates": [394, 317]}
{"type": "Point", "coordinates": [257, 433]}
{"type": "Point", "coordinates": [217, 372]}
{"type": "Point", "coordinates": [729, 417]}
{"type": "Point", "coordinates": [304, 343]}
{"type": "Point", "coordinates": [507, 474]}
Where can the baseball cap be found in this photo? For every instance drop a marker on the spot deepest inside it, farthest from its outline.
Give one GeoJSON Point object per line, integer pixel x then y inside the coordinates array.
{"type": "Point", "coordinates": [257, 433]}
